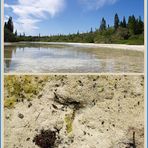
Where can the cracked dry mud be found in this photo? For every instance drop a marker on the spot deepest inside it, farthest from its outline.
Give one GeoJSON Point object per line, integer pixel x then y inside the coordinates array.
{"type": "Point", "coordinates": [77, 112]}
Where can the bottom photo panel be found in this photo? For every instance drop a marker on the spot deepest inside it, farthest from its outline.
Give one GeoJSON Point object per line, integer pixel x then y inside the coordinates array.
{"type": "Point", "coordinates": [74, 111]}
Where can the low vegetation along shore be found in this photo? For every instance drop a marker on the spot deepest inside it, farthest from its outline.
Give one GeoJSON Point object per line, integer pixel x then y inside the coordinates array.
{"type": "Point", "coordinates": [74, 111]}
{"type": "Point", "coordinates": [130, 31]}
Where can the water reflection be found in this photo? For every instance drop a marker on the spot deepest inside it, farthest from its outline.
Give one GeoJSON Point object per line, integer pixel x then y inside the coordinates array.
{"type": "Point", "coordinates": [59, 58]}
{"type": "Point", "coordinates": [8, 56]}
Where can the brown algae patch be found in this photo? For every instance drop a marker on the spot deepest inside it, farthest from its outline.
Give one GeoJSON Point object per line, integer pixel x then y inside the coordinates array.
{"type": "Point", "coordinates": [18, 88]}
{"type": "Point", "coordinates": [46, 139]}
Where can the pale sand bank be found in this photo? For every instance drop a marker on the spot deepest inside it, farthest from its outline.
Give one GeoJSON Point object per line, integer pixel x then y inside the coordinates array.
{"type": "Point", "coordinates": [113, 46]}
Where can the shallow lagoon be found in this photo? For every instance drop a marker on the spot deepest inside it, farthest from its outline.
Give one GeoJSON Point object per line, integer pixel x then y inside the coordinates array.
{"type": "Point", "coordinates": [65, 58]}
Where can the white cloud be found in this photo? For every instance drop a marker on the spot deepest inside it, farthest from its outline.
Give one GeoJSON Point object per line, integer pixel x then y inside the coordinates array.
{"type": "Point", "coordinates": [26, 25]}
{"type": "Point", "coordinates": [30, 12]}
{"type": "Point", "coordinates": [96, 4]}
{"type": "Point", "coordinates": [6, 18]}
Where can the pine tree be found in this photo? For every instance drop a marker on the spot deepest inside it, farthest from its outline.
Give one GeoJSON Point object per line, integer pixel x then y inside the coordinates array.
{"type": "Point", "coordinates": [91, 30]}
{"type": "Point", "coordinates": [124, 22]}
{"type": "Point", "coordinates": [5, 25]}
{"type": "Point", "coordinates": [121, 24]}
{"type": "Point", "coordinates": [132, 24]}
{"type": "Point", "coordinates": [103, 24]}
{"type": "Point", "coordinates": [15, 33]}
{"type": "Point", "coordinates": [116, 21]}
{"type": "Point", "coordinates": [140, 26]}
{"type": "Point", "coordinates": [10, 25]}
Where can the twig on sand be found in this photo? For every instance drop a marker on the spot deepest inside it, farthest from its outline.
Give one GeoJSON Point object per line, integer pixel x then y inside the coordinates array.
{"type": "Point", "coordinates": [134, 142]}
{"type": "Point", "coordinates": [38, 115]}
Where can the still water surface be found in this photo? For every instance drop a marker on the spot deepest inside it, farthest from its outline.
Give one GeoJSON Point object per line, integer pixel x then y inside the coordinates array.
{"type": "Point", "coordinates": [57, 58]}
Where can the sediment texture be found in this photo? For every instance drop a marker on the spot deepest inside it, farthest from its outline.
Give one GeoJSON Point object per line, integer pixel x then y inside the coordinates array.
{"type": "Point", "coordinates": [76, 111]}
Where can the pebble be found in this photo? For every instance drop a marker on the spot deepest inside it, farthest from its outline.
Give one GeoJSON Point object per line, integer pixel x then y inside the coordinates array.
{"type": "Point", "coordinates": [29, 105]}
{"type": "Point", "coordinates": [21, 116]}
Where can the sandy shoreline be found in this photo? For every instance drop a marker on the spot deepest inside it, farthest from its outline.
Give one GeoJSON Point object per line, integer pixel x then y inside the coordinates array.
{"type": "Point", "coordinates": [93, 45]}
{"type": "Point", "coordinates": [113, 46]}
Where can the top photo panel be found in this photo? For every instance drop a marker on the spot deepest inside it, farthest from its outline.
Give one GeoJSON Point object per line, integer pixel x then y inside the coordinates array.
{"type": "Point", "coordinates": [73, 36]}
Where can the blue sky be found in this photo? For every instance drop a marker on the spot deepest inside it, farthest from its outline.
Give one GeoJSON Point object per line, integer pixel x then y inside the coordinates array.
{"type": "Point", "coordinates": [67, 16]}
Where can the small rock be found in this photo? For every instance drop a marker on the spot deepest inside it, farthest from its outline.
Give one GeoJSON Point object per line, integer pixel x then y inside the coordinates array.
{"type": "Point", "coordinates": [21, 116]}
{"type": "Point", "coordinates": [80, 83]}
{"type": "Point", "coordinates": [94, 85]}
{"type": "Point", "coordinates": [57, 85]}
{"type": "Point", "coordinates": [39, 96]}
{"type": "Point", "coordinates": [102, 122]}
{"type": "Point", "coordinates": [29, 105]}
{"type": "Point", "coordinates": [54, 106]}
{"type": "Point", "coordinates": [27, 139]}
{"type": "Point", "coordinates": [7, 117]}
{"type": "Point", "coordinates": [36, 130]}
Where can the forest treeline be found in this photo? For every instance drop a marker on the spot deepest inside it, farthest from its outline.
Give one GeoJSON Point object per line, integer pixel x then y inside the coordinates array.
{"type": "Point", "coordinates": [130, 31]}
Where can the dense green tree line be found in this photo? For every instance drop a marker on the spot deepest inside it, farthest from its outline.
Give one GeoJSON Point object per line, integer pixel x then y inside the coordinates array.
{"type": "Point", "coordinates": [130, 31]}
